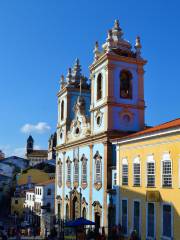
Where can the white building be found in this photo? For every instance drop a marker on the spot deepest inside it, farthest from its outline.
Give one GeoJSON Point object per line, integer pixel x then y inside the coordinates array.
{"type": "Point", "coordinates": [29, 205]}
{"type": "Point", "coordinates": [90, 116]}
{"type": "Point", "coordinates": [44, 205]}
{"type": "Point", "coordinates": [39, 205]}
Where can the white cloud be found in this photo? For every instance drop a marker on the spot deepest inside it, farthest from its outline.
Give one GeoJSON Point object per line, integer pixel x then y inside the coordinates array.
{"type": "Point", "coordinates": [40, 127]}
{"type": "Point", "coordinates": [19, 152]}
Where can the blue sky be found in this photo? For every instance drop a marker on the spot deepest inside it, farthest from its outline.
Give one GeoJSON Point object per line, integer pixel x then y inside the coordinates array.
{"type": "Point", "coordinates": [40, 39]}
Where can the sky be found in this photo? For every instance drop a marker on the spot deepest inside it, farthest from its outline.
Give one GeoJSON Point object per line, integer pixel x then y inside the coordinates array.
{"type": "Point", "coordinates": [39, 41]}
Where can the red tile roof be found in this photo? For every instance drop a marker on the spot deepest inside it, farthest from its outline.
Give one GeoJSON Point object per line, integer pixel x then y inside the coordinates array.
{"type": "Point", "coordinates": [162, 127]}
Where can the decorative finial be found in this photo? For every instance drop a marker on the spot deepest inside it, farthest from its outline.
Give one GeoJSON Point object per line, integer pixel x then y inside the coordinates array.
{"type": "Point", "coordinates": [138, 47]}
{"type": "Point", "coordinates": [77, 69]}
{"type": "Point", "coordinates": [116, 24]}
{"type": "Point", "coordinates": [96, 51]}
{"type": "Point", "coordinates": [69, 75]}
{"type": "Point", "coordinates": [62, 81]}
{"type": "Point", "coordinates": [117, 31]}
{"type": "Point", "coordinates": [109, 41]}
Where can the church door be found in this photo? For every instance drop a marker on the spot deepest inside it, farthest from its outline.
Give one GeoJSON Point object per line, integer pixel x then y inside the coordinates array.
{"type": "Point", "coordinates": [97, 220]}
{"type": "Point", "coordinates": [75, 212]}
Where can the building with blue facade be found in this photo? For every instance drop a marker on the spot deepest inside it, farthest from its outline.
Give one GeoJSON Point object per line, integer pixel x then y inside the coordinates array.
{"type": "Point", "coordinates": [90, 115]}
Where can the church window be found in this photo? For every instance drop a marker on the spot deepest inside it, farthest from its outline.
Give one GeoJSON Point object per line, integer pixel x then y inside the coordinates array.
{"type": "Point", "coordinates": [62, 110]}
{"type": "Point", "coordinates": [68, 181]}
{"type": "Point", "coordinates": [125, 84]}
{"type": "Point", "coordinates": [98, 169]}
{"type": "Point", "coordinates": [76, 170]}
{"type": "Point", "coordinates": [84, 172]}
{"type": "Point", "coordinates": [99, 86]}
{"type": "Point", "coordinates": [59, 173]}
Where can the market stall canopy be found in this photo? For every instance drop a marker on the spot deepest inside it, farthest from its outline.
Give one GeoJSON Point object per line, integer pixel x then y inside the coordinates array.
{"type": "Point", "coordinates": [79, 222]}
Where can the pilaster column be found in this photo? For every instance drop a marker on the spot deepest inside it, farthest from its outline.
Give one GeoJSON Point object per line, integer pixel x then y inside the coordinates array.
{"type": "Point", "coordinates": [140, 72]}
{"type": "Point", "coordinates": [141, 102]}
{"type": "Point", "coordinates": [90, 181]}
{"type": "Point", "coordinates": [63, 185]}
{"type": "Point", "coordinates": [109, 82]}
{"type": "Point", "coordinates": [56, 184]}
{"type": "Point", "coordinates": [109, 96]}
{"type": "Point", "coordinates": [92, 101]}
{"type": "Point", "coordinates": [118, 185]}
{"type": "Point", "coordinates": [107, 159]}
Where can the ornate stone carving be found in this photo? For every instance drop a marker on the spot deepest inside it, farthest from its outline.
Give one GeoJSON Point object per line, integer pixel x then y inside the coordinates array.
{"type": "Point", "coordinates": [80, 125]}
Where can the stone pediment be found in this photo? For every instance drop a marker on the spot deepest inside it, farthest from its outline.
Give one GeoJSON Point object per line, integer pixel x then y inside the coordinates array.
{"type": "Point", "coordinates": [80, 125]}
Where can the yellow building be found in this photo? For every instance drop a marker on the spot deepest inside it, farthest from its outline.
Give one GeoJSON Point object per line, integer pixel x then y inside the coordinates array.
{"type": "Point", "coordinates": [34, 176]}
{"type": "Point", "coordinates": [148, 180]}
{"type": "Point", "coordinates": [17, 205]}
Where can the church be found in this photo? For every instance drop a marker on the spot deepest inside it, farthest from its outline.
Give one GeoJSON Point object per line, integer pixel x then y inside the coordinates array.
{"type": "Point", "coordinates": [91, 114]}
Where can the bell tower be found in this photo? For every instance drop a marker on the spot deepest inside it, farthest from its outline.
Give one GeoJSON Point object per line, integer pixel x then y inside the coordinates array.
{"type": "Point", "coordinates": [117, 85]}
{"type": "Point", "coordinates": [30, 144]}
{"type": "Point", "coordinates": [74, 89]}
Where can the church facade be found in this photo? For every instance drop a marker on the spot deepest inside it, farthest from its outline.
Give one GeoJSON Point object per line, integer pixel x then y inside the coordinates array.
{"type": "Point", "coordinates": [91, 114]}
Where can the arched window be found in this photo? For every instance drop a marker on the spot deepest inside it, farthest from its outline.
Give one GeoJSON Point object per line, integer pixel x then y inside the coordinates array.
{"type": "Point", "coordinates": [98, 171]}
{"type": "Point", "coordinates": [62, 110]}
{"type": "Point", "coordinates": [125, 84]}
{"type": "Point", "coordinates": [124, 171]}
{"type": "Point", "coordinates": [76, 172]}
{"type": "Point", "coordinates": [150, 171]}
{"type": "Point", "coordinates": [166, 170]}
{"type": "Point", "coordinates": [59, 173]}
{"type": "Point", "coordinates": [99, 86]}
{"type": "Point", "coordinates": [84, 172]}
{"type": "Point", "coordinates": [137, 172]}
{"type": "Point", "coordinates": [68, 181]}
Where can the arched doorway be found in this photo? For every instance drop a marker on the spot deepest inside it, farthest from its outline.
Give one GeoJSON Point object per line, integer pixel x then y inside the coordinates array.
{"type": "Point", "coordinates": [67, 211]}
{"type": "Point", "coordinates": [84, 213]}
{"type": "Point", "coordinates": [75, 210]}
{"type": "Point", "coordinates": [97, 220]}
{"type": "Point", "coordinates": [97, 214]}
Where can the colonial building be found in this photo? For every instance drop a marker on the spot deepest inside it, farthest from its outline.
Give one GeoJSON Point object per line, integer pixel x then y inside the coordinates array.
{"type": "Point", "coordinates": [35, 156]}
{"type": "Point", "coordinates": [39, 206]}
{"type": "Point", "coordinates": [90, 115]}
{"type": "Point", "coordinates": [44, 205]}
{"type": "Point", "coordinates": [148, 176]}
